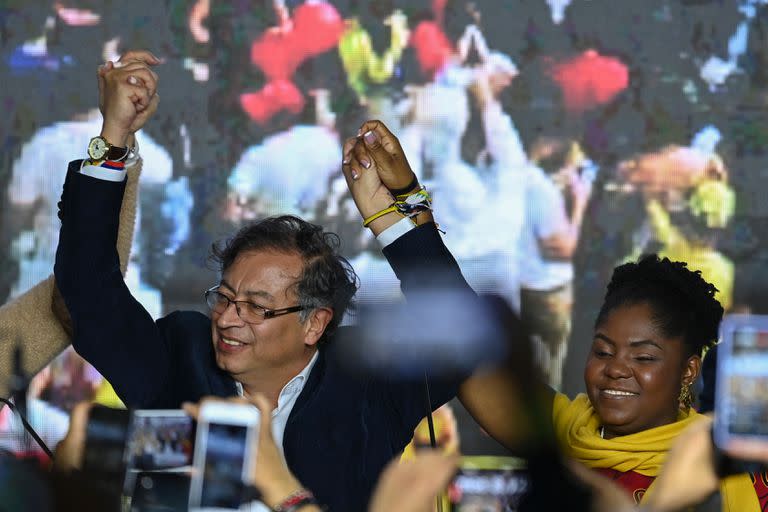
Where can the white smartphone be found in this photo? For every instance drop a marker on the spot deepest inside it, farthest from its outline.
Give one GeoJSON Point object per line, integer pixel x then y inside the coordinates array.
{"type": "Point", "coordinates": [224, 455]}
{"type": "Point", "coordinates": [741, 394]}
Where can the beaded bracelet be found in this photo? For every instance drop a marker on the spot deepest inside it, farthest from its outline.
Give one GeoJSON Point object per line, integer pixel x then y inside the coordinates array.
{"type": "Point", "coordinates": [295, 501]}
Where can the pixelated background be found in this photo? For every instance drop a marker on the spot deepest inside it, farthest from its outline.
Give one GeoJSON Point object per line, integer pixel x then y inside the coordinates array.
{"type": "Point", "coordinates": [559, 138]}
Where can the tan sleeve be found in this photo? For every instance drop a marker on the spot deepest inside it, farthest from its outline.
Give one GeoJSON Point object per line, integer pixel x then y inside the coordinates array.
{"type": "Point", "coordinates": [40, 323]}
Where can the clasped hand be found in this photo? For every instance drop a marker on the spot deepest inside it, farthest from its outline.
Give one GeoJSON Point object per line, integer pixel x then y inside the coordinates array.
{"type": "Point", "coordinates": [127, 95]}
{"type": "Point", "coordinates": [374, 164]}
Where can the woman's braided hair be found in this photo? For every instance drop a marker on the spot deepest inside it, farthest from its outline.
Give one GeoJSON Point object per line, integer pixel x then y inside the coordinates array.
{"type": "Point", "coordinates": [683, 303]}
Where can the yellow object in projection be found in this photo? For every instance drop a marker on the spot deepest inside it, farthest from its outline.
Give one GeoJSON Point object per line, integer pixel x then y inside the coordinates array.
{"type": "Point", "coordinates": [360, 61]}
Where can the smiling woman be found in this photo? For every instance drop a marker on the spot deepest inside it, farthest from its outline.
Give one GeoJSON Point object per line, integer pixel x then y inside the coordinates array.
{"type": "Point", "coordinates": [649, 335]}
{"type": "Point", "coordinates": [655, 321]}
{"type": "Point", "coordinates": [633, 372]}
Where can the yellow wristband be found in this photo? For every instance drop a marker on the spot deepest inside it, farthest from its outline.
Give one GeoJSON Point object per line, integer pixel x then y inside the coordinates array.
{"type": "Point", "coordinates": [375, 216]}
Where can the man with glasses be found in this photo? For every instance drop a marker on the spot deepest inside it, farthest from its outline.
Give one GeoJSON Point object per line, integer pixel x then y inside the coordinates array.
{"type": "Point", "coordinates": [283, 291]}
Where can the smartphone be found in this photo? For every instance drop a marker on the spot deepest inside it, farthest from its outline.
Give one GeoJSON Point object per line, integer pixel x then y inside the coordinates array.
{"type": "Point", "coordinates": [104, 455]}
{"type": "Point", "coordinates": [487, 484]}
{"type": "Point", "coordinates": [741, 392]}
{"type": "Point", "coordinates": [224, 455]}
{"type": "Point", "coordinates": [158, 440]}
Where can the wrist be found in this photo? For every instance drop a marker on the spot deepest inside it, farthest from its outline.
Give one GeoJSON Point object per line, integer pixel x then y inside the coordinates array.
{"type": "Point", "coordinates": [423, 218]}
{"type": "Point", "coordinates": [407, 189]}
{"type": "Point", "coordinates": [276, 492]}
{"type": "Point", "coordinates": [300, 499]}
{"type": "Point", "coordinates": [130, 141]}
{"type": "Point", "coordinates": [416, 206]}
{"type": "Point", "coordinates": [116, 136]}
{"type": "Point", "coordinates": [385, 221]}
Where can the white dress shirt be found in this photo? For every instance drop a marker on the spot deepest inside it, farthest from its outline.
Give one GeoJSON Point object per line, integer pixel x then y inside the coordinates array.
{"type": "Point", "coordinates": [285, 402]}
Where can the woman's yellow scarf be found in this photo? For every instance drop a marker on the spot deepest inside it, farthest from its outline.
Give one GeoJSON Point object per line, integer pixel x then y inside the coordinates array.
{"type": "Point", "coordinates": [577, 427]}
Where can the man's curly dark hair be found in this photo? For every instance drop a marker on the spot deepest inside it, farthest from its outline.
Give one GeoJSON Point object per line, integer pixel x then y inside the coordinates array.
{"type": "Point", "coordinates": [328, 279]}
{"type": "Point", "coordinates": [683, 303]}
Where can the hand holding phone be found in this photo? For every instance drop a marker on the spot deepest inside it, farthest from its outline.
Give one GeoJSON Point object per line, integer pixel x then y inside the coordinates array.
{"type": "Point", "coordinates": [741, 394]}
{"type": "Point", "coordinates": [271, 474]}
{"type": "Point", "coordinates": [224, 454]}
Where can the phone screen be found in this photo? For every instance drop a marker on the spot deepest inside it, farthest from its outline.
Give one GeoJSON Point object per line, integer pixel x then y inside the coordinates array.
{"type": "Point", "coordinates": [157, 440]}
{"type": "Point", "coordinates": [225, 456]}
{"type": "Point", "coordinates": [742, 382]}
{"type": "Point", "coordinates": [160, 440]}
{"type": "Point", "coordinates": [487, 484]}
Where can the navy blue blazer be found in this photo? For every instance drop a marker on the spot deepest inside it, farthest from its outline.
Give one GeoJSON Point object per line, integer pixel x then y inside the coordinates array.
{"type": "Point", "coordinates": [342, 430]}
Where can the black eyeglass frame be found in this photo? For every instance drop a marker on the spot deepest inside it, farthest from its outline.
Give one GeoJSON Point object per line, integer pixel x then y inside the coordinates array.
{"type": "Point", "coordinates": [266, 312]}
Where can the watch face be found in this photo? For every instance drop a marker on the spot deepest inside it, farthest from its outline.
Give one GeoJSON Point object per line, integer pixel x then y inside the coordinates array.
{"type": "Point", "coordinates": [97, 148]}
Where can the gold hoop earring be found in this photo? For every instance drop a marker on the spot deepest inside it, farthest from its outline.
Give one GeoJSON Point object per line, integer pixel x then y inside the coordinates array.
{"type": "Point", "coordinates": [686, 397]}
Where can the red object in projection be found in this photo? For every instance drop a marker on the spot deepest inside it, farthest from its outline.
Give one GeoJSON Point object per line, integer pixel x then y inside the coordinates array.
{"type": "Point", "coordinates": [438, 10]}
{"type": "Point", "coordinates": [315, 28]}
{"type": "Point", "coordinates": [433, 49]}
{"type": "Point", "coordinates": [589, 80]}
{"type": "Point", "coordinates": [276, 54]}
{"type": "Point", "coordinates": [277, 95]}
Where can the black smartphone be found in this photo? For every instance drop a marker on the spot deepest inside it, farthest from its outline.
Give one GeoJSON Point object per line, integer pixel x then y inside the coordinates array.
{"type": "Point", "coordinates": [105, 440]}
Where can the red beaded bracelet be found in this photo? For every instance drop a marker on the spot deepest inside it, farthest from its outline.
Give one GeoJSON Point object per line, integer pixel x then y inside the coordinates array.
{"type": "Point", "coordinates": [295, 501]}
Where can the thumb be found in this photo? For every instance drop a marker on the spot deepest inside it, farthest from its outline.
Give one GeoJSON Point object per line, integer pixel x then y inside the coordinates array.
{"type": "Point", "coordinates": [79, 420]}
{"type": "Point", "coordinates": [265, 408]}
{"type": "Point", "coordinates": [69, 452]}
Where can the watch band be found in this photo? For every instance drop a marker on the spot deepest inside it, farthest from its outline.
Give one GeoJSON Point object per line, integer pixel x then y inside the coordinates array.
{"type": "Point", "coordinates": [117, 154]}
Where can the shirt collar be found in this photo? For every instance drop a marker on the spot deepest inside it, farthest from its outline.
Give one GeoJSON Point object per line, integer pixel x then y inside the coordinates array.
{"type": "Point", "coordinates": [292, 389]}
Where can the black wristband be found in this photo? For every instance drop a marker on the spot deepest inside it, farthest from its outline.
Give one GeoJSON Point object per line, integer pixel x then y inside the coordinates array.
{"type": "Point", "coordinates": [400, 191]}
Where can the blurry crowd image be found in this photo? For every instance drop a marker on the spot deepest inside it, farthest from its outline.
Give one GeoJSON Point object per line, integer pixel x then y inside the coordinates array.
{"type": "Point", "coordinates": [558, 139]}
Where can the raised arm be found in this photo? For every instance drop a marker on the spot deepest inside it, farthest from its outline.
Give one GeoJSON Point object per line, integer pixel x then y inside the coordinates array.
{"type": "Point", "coordinates": [111, 329]}
{"type": "Point", "coordinates": [378, 175]}
{"type": "Point", "coordinates": [511, 402]}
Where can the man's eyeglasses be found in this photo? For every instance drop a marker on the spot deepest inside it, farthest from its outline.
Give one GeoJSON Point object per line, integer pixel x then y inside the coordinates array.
{"type": "Point", "coordinates": [249, 312]}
